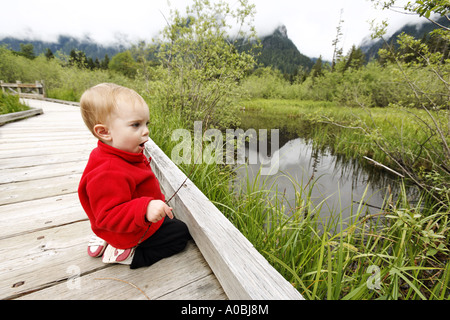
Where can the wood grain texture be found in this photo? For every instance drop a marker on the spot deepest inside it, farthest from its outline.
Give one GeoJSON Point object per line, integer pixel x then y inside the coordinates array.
{"type": "Point", "coordinates": [44, 231]}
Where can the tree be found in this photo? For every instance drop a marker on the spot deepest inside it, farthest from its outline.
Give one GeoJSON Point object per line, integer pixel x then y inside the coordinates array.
{"type": "Point", "coordinates": [27, 51]}
{"type": "Point", "coordinates": [49, 54]}
{"type": "Point", "coordinates": [105, 62]}
{"type": "Point", "coordinates": [355, 59]}
{"type": "Point", "coordinates": [317, 70]}
{"type": "Point", "coordinates": [201, 62]}
{"type": "Point", "coordinates": [123, 63]}
{"type": "Point", "coordinates": [337, 52]}
{"type": "Point", "coordinates": [425, 8]}
{"type": "Point", "coordinates": [97, 64]}
{"type": "Point", "coordinates": [78, 58]}
{"type": "Point", "coordinates": [422, 8]}
{"type": "Point", "coordinates": [435, 148]}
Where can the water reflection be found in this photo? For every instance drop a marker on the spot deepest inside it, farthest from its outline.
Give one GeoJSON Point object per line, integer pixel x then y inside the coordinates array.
{"type": "Point", "coordinates": [342, 183]}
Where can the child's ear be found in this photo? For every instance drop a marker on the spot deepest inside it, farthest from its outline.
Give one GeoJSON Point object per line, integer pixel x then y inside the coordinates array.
{"type": "Point", "coordinates": [102, 132]}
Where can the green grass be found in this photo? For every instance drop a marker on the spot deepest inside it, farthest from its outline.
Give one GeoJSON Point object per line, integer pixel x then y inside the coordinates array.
{"type": "Point", "coordinates": [404, 245]}
{"type": "Point", "coordinates": [354, 131]}
{"type": "Point", "coordinates": [64, 94]}
{"type": "Point", "coordinates": [11, 103]}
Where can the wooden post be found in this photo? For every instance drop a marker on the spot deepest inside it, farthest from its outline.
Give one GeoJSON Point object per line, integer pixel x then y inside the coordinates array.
{"type": "Point", "coordinates": [19, 90]}
{"type": "Point", "coordinates": [42, 88]}
{"type": "Point", "coordinates": [1, 85]}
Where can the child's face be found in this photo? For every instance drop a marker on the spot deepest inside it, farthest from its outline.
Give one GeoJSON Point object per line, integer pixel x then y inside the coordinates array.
{"type": "Point", "coordinates": [128, 127]}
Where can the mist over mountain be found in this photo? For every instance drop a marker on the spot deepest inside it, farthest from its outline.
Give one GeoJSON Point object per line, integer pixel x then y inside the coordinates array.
{"type": "Point", "coordinates": [278, 51]}
{"type": "Point", "coordinates": [65, 44]}
{"type": "Point", "coordinates": [418, 31]}
{"type": "Point", "coordinates": [281, 53]}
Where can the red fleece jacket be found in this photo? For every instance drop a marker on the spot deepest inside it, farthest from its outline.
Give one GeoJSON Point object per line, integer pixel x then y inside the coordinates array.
{"type": "Point", "coordinates": [115, 190]}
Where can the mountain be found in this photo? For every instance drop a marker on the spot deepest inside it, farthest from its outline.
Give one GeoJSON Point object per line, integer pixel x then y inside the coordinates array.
{"type": "Point", "coordinates": [281, 53]}
{"type": "Point", "coordinates": [418, 31]}
{"type": "Point", "coordinates": [65, 44]}
{"type": "Point", "coordinates": [277, 51]}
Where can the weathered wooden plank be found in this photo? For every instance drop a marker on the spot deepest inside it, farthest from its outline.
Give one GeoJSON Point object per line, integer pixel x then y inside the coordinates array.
{"type": "Point", "coordinates": [240, 268]}
{"type": "Point", "coordinates": [24, 90]}
{"type": "Point", "coordinates": [86, 148]}
{"type": "Point", "coordinates": [21, 85]}
{"type": "Point", "coordinates": [25, 160]}
{"type": "Point", "coordinates": [186, 271]}
{"type": "Point", "coordinates": [41, 171]}
{"type": "Point", "coordinates": [53, 106]}
{"type": "Point", "coordinates": [38, 189]}
{"type": "Point", "coordinates": [37, 131]}
{"type": "Point", "coordinates": [207, 288]}
{"type": "Point", "coordinates": [44, 231]}
{"type": "Point", "coordinates": [10, 138]}
{"type": "Point", "coordinates": [31, 95]}
{"type": "Point", "coordinates": [33, 137]}
{"type": "Point", "coordinates": [46, 125]}
{"type": "Point", "coordinates": [42, 145]}
{"type": "Point", "coordinates": [71, 103]}
{"type": "Point", "coordinates": [5, 118]}
{"type": "Point", "coordinates": [33, 261]}
{"type": "Point", "coordinates": [30, 216]}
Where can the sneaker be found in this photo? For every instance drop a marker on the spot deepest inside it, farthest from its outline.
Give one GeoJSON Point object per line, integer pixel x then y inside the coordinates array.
{"type": "Point", "coordinates": [114, 255]}
{"type": "Point", "coordinates": [96, 246]}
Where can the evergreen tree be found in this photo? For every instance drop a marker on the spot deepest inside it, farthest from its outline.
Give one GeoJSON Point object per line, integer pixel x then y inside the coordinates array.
{"type": "Point", "coordinates": [73, 56]}
{"type": "Point", "coordinates": [78, 58]}
{"type": "Point", "coordinates": [317, 70]}
{"type": "Point", "coordinates": [354, 60]}
{"type": "Point", "coordinates": [105, 62]}
{"type": "Point", "coordinates": [97, 64]}
{"type": "Point", "coordinates": [49, 54]}
{"type": "Point", "coordinates": [27, 50]}
{"type": "Point", "coordinates": [90, 64]}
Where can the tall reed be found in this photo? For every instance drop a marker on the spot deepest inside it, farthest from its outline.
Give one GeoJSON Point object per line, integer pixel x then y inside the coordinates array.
{"type": "Point", "coordinates": [399, 253]}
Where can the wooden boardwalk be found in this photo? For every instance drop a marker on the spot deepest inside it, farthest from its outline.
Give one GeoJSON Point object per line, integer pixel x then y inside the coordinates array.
{"type": "Point", "coordinates": [44, 231]}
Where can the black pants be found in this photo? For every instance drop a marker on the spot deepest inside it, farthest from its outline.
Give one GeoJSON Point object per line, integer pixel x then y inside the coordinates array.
{"type": "Point", "coordinates": [171, 238]}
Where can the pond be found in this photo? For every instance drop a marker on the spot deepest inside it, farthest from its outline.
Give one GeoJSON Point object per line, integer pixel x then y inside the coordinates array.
{"type": "Point", "coordinates": [341, 185]}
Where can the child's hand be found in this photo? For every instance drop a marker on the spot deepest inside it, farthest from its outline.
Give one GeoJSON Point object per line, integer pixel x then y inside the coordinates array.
{"type": "Point", "coordinates": [156, 210]}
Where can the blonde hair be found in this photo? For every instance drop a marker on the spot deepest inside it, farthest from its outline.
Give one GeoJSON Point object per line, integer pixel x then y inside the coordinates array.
{"type": "Point", "coordinates": [100, 101]}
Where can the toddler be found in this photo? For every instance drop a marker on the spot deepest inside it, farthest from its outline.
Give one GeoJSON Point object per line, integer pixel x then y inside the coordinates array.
{"type": "Point", "coordinates": [118, 190]}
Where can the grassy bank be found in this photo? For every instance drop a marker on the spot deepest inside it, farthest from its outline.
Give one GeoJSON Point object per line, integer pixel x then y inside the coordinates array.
{"type": "Point", "coordinates": [404, 257]}
{"type": "Point", "coordinates": [384, 256]}
{"type": "Point", "coordinates": [350, 131]}
{"type": "Point", "coordinates": [410, 141]}
{"type": "Point", "coordinates": [10, 103]}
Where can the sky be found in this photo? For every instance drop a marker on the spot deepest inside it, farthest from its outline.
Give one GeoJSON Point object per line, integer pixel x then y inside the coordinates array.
{"type": "Point", "coordinates": [311, 25]}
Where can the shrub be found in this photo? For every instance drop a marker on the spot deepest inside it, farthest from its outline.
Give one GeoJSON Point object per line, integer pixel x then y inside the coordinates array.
{"type": "Point", "coordinates": [10, 103]}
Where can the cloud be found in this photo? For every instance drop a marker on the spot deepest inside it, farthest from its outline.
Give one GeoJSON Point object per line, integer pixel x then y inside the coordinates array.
{"type": "Point", "coordinates": [311, 25]}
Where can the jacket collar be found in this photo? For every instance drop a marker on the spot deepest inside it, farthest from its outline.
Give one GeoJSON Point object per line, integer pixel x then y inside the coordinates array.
{"type": "Point", "coordinates": [127, 156]}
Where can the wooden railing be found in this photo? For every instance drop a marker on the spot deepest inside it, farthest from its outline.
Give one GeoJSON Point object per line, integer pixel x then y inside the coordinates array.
{"type": "Point", "coordinates": [24, 90]}
{"type": "Point", "coordinates": [241, 270]}
{"type": "Point", "coordinates": [10, 117]}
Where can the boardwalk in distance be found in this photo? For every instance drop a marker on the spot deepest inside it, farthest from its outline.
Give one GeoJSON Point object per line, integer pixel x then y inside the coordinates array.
{"type": "Point", "coordinates": [44, 231]}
